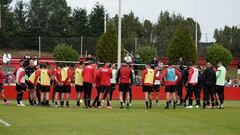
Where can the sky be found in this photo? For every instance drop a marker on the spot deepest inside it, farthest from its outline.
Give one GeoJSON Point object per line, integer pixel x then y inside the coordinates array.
{"type": "Point", "coordinates": [211, 14]}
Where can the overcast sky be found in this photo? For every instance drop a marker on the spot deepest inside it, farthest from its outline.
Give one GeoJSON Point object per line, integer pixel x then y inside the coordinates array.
{"type": "Point", "coordinates": [211, 14]}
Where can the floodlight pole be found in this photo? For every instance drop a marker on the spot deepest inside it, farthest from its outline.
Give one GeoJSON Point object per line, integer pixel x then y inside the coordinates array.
{"type": "Point", "coordinates": [119, 32]}
{"type": "Point", "coordinates": [196, 36]}
{"type": "Point", "coordinates": [136, 43]}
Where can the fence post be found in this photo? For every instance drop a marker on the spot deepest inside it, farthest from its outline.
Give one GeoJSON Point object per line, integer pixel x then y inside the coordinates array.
{"type": "Point", "coordinates": [39, 46]}
{"type": "Point", "coordinates": [81, 46]}
{"type": "Point", "coordinates": [136, 45]}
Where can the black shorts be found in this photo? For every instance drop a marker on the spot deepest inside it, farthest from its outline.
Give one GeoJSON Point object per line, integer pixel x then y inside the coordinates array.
{"type": "Point", "coordinates": [124, 87]}
{"type": "Point", "coordinates": [30, 85]}
{"type": "Point", "coordinates": [105, 89]}
{"type": "Point", "coordinates": [38, 87]}
{"type": "Point", "coordinates": [98, 89]}
{"type": "Point", "coordinates": [113, 86]}
{"type": "Point", "coordinates": [87, 86]}
{"type": "Point", "coordinates": [21, 87]}
{"type": "Point", "coordinates": [45, 88]}
{"type": "Point", "coordinates": [79, 88]}
{"type": "Point", "coordinates": [66, 89]}
{"type": "Point", "coordinates": [148, 89]}
{"type": "Point", "coordinates": [219, 89]}
{"type": "Point", "coordinates": [156, 88]}
{"type": "Point", "coordinates": [1, 87]}
{"type": "Point", "coordinates": [58, 88]}
{"type": "Point", "coordinates": [170, 89]}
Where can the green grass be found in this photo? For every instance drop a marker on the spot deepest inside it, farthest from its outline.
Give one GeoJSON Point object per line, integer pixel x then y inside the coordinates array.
{"type": "Point", "coordinates": [135, 121]}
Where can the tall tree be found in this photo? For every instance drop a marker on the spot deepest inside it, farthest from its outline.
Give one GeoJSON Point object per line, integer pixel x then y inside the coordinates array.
{"type": "Point", "coordinates": [7, 27]}
{"type": "Point", "coordinates": [182, 46]}
{"type": "Point", "coordinates": [167, 25]}
{"type": "Point", "coordinates": [229, 37]}
{"type": "Point", "coordinates": [20, 16]}
{"type": "Point", "coordinates": [59, 18]}
{"type": "Point", "coordinates": [6, 17]}
{"type": "Point", "coordinates": [148, 30]}
{"type": "Point", "coordinates": [39, 14]}
{"type": "Point", "coordinates": [131, 29]}
{"type": "Point", "coordinates": [79, 22]}
{"type": "Point", "coordinates": [96, 20]}
{"type": "Point", "coordinates": [107, 45]}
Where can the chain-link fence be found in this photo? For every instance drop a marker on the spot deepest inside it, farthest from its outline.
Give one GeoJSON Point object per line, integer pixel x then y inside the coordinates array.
{"type": "Point", "coordinates": [84, 45]}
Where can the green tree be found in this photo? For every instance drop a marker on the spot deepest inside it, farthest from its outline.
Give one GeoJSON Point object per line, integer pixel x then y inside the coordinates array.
{"type": "Point", "coordinates": [20, 14]}
{"type": "Point", "coordinates": [96, 20]}
{"type": "Point", "coordinates": [6, 17]}
{"type": "Point", "coordinates": [229, 37]}
{"type": "Point", "coordinates": [49, 17]}
{"type": "Point", "coordinates": [148, 30]}
{"type": "Point", "coordinates": [59, 18]}
{"type": "Point", "coordinates": [107, 45]}
{"type": "Point", "coordinates": [131, 29]}
{"type": "Point", "coordinates": [38, 16]}
{"type": "Point", "coordinates": [182, 46]}
{"type": "Point", "coordinates": [65, 52]}
{"type": "Point", "coordinates": [217, 53]}
{"type": "Point", "coordinates": [147, 53]}
{"type": "Point", "coordinates": [79, 22]}
{"type": "Point", "coordinates": [7, 27]}
{"type": "Point", "coordinates": [166, 26]}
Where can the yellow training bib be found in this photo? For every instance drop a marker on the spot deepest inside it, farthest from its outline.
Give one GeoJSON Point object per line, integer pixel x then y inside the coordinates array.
{"type": "Point", "coordinates": [78, 77]}
{"type": "Point", "coordinates": [149, 77]}
{"type": "Point", "coordinates": [45, 79]}
{"type": "Point", "coordinates": [32, 77]}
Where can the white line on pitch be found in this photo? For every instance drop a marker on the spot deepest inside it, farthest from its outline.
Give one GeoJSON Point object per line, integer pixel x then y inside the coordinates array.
{"type": "Point", "coordinates": [4, 123]}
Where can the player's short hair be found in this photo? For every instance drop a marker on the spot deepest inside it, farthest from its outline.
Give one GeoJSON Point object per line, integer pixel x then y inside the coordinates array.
{"type": "Point", "coordinates": [25, 64]}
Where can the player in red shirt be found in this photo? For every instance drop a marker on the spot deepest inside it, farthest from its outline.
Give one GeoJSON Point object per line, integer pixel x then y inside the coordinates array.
{"type": "Point", "coordinates": [171, 78]}
{"type": "Point", "coordinates": [45, 82]}
{"type": "Point", "coordinates": [192, 86]}
{"type": "Point", "coordinates": [147, 84]}
{"type": "Point", "coordinates": [125, 79]}
{"type": "Point", "coordinates": [105, 74]}
{"type": "Point", "coordinates": [57, 83]}
{"type": "Point", "coordinates": [2, 77]}
{"type": "Point", "coordinates": [97, 86]}
{"type": "Point", "coordinates": [67, 78]}
{"type": "Point", "coordinates": [88, 80]}
{"type": "Point", "coordinates": [20, 83]}
{"type": "Point", "coordinates": [157, 83]}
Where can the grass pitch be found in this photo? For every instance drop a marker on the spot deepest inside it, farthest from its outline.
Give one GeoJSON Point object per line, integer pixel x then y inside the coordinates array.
{"type": "Point", "coordinates": [135, 121]}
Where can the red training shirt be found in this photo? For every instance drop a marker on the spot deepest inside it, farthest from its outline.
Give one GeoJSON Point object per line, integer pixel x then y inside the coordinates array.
{"type": "Point", "coordinates": [105, 74]}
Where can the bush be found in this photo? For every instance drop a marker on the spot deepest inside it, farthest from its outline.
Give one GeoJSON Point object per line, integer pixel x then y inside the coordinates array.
{"type": "Point", "coordinates": [65, 52]}
{"type": "Point", "coordinates": [217, 53]}
{"type": "Point", "coordinates": [147, 53]}
{"type": "Point", "coordinates": [182, 46]}
{"type": "Point", "coordinates": [107, 45]}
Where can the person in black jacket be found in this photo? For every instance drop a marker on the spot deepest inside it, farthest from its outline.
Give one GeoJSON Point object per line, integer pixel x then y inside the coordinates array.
{"type": "Point", "coordinates": [181, 84]}
{"type": "Point", "coordinates": [32, 92]}
{"type": "Point", "coordinates": [199, 85]}
{"type": "Point", "coordinates": [185, 74]}
{"type": "Point", "coordinates": [208, 82]}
